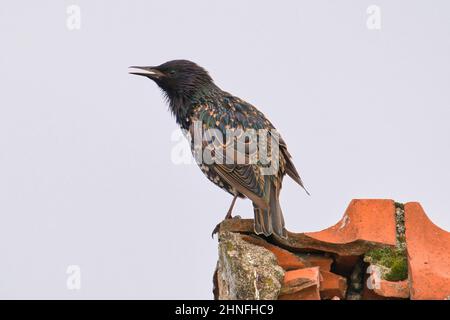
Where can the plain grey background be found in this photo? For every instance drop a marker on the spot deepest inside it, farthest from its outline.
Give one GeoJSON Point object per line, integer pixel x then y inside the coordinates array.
{"type": "Point", "coordinates": [86, 176]}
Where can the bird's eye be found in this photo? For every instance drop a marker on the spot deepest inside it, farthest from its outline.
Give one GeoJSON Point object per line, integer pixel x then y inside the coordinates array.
{"type": "Point", "coordinates": [172, 72]}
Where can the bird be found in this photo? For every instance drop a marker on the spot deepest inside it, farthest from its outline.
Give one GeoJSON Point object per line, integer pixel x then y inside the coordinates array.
{"type": "Point", "coordinates": [195, 100]}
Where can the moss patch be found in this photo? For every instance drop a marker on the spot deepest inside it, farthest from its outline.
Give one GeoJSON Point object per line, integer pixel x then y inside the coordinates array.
{"type": "Point", "coordinates": [393, 260]}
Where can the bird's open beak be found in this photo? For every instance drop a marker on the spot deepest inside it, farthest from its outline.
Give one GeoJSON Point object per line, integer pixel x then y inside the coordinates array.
{"type": "Point", "coordinates": [150, 72]}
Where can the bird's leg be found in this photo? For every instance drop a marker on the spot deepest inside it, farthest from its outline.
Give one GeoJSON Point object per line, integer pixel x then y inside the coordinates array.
{"type": "Point", "coordinates": [228, 216]}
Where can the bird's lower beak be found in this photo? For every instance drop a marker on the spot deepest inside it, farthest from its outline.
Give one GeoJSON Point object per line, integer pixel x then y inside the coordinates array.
{"type": "Point", "coordinates": [149, 72]}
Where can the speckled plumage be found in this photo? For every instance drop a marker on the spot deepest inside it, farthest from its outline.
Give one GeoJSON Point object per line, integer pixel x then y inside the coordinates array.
{"type": "Point", "coordinates": [194, 98]}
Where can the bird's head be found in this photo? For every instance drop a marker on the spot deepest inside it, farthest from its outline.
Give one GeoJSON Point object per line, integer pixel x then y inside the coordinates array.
{"type": "Point", "coordinates": [177, 78]}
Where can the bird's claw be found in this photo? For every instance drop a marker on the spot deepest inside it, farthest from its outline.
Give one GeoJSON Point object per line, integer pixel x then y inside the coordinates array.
{"type": "Point", "coordinates": [216, 230]}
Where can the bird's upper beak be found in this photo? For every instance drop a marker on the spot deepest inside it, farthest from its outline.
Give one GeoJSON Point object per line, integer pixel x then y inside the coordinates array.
{"type": "Point", "coordinates": [150, 72]}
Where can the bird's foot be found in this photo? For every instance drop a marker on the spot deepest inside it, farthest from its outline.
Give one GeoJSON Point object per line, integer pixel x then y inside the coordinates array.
{"type": "Point", "coordinates": [217, 228]}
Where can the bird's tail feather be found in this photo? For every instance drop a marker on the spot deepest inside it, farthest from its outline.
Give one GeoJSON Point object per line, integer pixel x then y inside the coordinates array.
{"type": "Point", "coordinates": [270, 221]}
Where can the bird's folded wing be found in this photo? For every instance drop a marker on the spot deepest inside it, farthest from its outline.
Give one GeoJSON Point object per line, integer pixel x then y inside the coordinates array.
{"type": "Point", "coordinates": [246, 179]}
{"type": "Point", "coordinates": [233, 163]}
{"type": "Point", "coordinates": [290, 167]}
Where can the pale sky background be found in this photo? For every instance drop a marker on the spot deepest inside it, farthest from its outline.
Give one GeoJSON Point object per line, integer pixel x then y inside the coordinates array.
{"type": "Point", "coordinates": [86, 176]}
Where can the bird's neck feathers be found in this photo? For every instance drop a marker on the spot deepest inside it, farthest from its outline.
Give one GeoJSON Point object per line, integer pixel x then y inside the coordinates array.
{"type": "Point", "coordinates": [181, 103]}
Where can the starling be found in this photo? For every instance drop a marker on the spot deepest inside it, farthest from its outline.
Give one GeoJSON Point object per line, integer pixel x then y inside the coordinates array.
{"type": "Point", "coordinates": [195, 100]}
